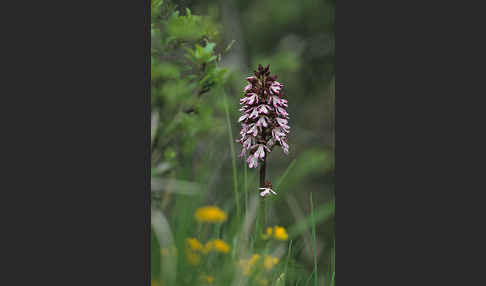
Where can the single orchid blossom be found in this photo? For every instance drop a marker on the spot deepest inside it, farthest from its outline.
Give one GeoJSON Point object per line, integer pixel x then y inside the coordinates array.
{"type": "Point", "coordinates": [266, 192]}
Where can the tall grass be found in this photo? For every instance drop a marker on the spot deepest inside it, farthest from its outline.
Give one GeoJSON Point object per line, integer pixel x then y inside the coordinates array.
{"type": "Point", "coordinates": [174, 222]}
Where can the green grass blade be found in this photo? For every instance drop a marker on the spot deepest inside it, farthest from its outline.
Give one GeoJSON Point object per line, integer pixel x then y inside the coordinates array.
{"type": "Point", "coordinates": [164, 235]}
{"type": "Point", "coordinates": [314, 240]}
{"type": "Point", "coordinates": [321, 214]}
{"type": "Point", "coordinates": [333, 263]}
{"type": "Point", "coordinates": [287, 263]}
{"type": "Point", "coordinates": [284, 174]}
{"type": "Point", "coordinates": [309, 278]}
{"type": "Point", "coordinates": [233, 159]}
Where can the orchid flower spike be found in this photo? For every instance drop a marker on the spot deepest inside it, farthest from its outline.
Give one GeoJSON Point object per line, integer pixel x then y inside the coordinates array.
{"type": "Point", "coordinates": [264, 122]}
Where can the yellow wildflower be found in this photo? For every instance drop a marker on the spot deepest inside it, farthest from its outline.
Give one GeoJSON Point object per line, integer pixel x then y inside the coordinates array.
{"type": "Point", "coordinates": [220, 246]}
{"type": "Point", "coordinates": [268, 234]}
{"type": "Point", "coordinates": [217, 245]}
{"type": "Point", "coordinates": [247, 264]}
{"type": "Point", "coordinates": [269, 262]}
{"type": "Point", "coordinates": [194, 244]}
{"type": "Point", "coordinates": [207, 279]}
{"type": "Point", "coordinates": [254, 259]}
{"type": "Point", "coordinates": [280, 233]}
{"type": "Point", "coordinates": [211, 214]}
{"type": "Point", "coordinates": [193, 258]}
{"type": "Point", "coordinates": [192, 247]}
{"type": "Point", "coordinates": [154, 283]}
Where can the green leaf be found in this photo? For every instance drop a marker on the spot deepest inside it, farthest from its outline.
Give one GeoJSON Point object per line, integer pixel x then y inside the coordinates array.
{"type": "Point", "coordinates": [208, 49]}
{"type": "Point", "coordinates": [165, 237]}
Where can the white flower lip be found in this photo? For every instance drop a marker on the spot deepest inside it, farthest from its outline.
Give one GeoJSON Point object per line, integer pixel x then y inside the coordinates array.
{"type": "Point", "coordinates": [266, 192]}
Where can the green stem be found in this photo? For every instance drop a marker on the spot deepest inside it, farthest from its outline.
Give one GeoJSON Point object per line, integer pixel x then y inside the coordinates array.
{"type": "Point", "coordinates": [245, 186]}
{"type": "Point", "coordinates": [261, 216]}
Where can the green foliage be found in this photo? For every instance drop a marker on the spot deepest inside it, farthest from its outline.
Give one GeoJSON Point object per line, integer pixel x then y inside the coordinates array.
{"type": "Point", "coordinates": [185, 77]}
{"type": "Point", "coordinates": [190, 27]}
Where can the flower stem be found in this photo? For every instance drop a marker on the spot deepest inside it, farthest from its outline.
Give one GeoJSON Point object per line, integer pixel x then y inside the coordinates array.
{"type": "Point", "coordinates": [261, 216]}
{"type": "Point", "coordinates": [262, 172]}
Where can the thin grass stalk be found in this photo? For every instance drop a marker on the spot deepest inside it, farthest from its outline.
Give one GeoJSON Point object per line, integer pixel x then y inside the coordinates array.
{"type": "Point", "coordinates": [314, 240]}
{"type": "Point", "coordinates": [333, 262]}
{"type": "Point", "coordinates": [233, 159]}
{"type": "Point", "coordinates": [287, 263]}
{"type": "Point", "coordinates": [284, 175]}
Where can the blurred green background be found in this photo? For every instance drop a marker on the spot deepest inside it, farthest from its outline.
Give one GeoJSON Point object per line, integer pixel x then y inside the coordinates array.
{"type": "Point", "coordinates": [200, 58]}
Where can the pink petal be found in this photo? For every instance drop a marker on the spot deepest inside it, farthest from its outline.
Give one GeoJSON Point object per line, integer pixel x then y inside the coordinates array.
{"type": "Point", "coordinates": [243, 117]}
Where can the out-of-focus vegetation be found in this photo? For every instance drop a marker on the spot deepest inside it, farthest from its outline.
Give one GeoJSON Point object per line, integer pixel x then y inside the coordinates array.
{"type": "Point", "coordinates": [201, 53]}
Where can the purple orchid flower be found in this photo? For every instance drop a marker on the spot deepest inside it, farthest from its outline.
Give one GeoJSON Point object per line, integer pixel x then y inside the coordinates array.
{"type": "Point", "coordinates": [264, 122]}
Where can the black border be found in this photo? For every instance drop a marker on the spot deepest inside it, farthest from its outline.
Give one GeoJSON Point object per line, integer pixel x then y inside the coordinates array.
{"type": "Point", "coordinates": [79, 177]}
{"type": "Point", "coordinates": [148, 152]}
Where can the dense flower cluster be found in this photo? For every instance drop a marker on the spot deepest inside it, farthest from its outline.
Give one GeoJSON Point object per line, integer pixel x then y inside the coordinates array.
{"type": "Point", "coordinates": [264, 122]}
